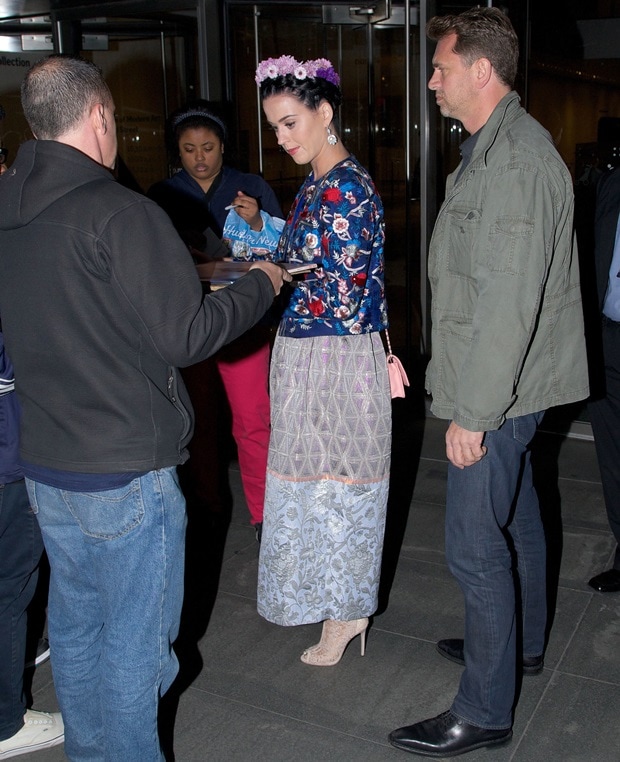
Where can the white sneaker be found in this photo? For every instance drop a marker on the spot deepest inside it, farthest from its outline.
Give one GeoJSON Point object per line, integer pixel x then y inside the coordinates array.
{"type": "Point", "coordinates": [41, 731]}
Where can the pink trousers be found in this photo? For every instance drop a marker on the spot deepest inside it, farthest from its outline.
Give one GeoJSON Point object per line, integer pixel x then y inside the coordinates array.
{"type": "Point", "coordinates": [244, 369]}
{"type": "Point", "coordinates": [241, 372]}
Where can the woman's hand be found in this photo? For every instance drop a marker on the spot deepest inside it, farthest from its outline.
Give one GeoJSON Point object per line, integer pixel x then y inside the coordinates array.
{"type": "Point", "coordinates": [247, 208]}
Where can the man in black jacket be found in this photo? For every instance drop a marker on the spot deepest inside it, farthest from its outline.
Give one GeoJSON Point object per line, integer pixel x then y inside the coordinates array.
{"type": "Point", "coordinates": [101, 303]}
{"type": "Point", "coordinates": [605, 410]}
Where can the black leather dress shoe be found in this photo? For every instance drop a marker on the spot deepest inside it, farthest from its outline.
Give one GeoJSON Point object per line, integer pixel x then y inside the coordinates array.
{"type": "Point", "coordinates": [445, 736]}
{"type": "Point", "coordinates": [452, 649]}
{"type": "Point", "coordinates": [606, 582]}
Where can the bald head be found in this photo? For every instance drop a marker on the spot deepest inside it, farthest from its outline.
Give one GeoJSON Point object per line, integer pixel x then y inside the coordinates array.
{"type": "Point", "coordinates": [59, 92]}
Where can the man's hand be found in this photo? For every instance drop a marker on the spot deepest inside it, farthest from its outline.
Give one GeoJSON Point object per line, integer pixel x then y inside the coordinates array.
{"type": "Point", "coordinates": [278, 275]}
{"type": "Point", "coordinates": [463, 447]}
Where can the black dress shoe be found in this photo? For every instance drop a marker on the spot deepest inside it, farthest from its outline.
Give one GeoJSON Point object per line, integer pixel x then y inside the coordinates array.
{"type": "Point", "coordinates": [452, 649]}
{"type": "Point", "coordinates": [446, 736]}
{"type": "Point", "coordinates": [606, 582]}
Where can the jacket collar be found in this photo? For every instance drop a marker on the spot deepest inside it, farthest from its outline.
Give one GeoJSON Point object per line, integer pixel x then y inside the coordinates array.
{"type": "Point", "coordinates": [505, 113]}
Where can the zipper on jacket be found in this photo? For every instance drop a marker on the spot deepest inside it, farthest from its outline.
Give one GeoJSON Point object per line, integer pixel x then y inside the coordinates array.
{"type": "Point", "coordinates": [173, 397]}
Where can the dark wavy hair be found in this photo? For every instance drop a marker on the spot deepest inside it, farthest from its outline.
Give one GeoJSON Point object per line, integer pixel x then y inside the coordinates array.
{"type": "Point", "coordinates": [310, 91]}
{"type": "Point", "coordinates": [481, 33]}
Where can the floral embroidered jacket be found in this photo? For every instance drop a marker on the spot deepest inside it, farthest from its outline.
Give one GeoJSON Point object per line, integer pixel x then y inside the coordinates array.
{"type": "Point", "coordinates": [336, 222]}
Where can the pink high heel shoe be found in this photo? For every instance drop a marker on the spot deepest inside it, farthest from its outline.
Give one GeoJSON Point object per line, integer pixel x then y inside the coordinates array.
{"type": "Point", "coordinates": [335, 637]}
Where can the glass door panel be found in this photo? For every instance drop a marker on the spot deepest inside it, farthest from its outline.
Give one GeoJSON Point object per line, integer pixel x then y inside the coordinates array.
{"type": "Point", "coordinates": [148, 66]}
{"type": "Point", "coordinates": [148, 61]}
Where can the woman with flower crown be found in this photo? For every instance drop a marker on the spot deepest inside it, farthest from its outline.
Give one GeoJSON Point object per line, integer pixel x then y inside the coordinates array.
{"type": "Point", "coordinates": [329, 452]}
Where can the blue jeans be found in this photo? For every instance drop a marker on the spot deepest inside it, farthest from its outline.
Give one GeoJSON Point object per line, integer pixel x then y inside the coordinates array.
{"type": "Point", "coordinates": [495, 548]}
{"type": "Point", "coordinates": [116, 589]}
{"type": "Point", "coordinates": [20, 552]}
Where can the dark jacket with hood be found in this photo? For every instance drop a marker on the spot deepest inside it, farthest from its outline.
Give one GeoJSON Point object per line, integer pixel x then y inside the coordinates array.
{"type": "Point", "coordinates": [100, 303]}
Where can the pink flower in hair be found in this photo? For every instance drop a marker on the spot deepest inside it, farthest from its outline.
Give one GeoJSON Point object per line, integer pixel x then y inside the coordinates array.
{"type": "Point", "coordinates": [310, 68]}
{"type": "Point", "coordinates": [271, 68]}
{"type": "Point", "coordinates": [322, 63]}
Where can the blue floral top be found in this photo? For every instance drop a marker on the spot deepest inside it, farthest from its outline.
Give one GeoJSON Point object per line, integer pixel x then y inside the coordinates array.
{"type": "Point", "coordinates": [336, 222]}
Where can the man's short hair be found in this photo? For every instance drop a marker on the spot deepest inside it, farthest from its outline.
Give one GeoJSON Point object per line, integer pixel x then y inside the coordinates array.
{"type": "Point", "coordinates": [481, 33]}
{"type": "Point", "coordinates": [59, 91]}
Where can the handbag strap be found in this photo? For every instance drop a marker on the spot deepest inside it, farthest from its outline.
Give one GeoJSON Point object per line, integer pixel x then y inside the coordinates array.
{"type": "Point", "coordinates": [387, 338]}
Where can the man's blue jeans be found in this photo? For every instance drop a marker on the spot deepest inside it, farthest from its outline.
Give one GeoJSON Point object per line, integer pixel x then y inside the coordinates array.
{"type": "Point", "coordinates": [495, 547]}
{"type": "Point", "coordinates": [116, 589]}
{"type": "Point", "coordinates": [20, 552]}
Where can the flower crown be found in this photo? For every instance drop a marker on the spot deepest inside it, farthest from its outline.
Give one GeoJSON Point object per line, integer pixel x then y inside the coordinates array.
{"type": "Point", "coordinates": [271, 68]}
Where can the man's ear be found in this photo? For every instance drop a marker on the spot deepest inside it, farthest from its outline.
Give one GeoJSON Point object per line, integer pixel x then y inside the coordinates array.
{"type": "Point", "coordinates": [99, 119]}
{"type": "Point", "coordinates": [483, 70]}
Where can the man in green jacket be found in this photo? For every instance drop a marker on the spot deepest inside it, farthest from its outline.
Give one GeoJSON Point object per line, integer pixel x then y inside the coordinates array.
{"type": "Point", "coordinates": [508, 343]}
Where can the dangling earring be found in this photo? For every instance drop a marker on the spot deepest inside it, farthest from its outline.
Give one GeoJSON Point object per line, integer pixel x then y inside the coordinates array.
{"type": "Point", "coordinates": [331, 138]}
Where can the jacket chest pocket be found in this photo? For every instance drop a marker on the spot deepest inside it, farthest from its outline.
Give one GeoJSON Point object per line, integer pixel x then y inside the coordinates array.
{"type": "Point", "coordinates": [510, 245]}
{"type": "Point", "coordinates": [462, 240]}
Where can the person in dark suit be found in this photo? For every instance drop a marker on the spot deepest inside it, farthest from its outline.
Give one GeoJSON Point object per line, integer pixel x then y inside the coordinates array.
{"type": "Point", "coordinates": [605, 408]}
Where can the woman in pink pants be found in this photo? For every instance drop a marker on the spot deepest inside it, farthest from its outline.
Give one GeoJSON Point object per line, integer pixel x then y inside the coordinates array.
{"type": "Point", "coordinates": [198, 198]}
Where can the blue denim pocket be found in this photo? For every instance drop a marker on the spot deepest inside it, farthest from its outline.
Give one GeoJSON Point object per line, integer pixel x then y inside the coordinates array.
{"type": "Point", "coordinates": [524, 427]}
{"type": "Point", "coordinates": [107, 515]}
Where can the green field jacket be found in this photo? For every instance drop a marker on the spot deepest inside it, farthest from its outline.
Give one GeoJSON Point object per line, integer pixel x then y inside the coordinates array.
{"type": "Point", "coordinates": [507, 320]}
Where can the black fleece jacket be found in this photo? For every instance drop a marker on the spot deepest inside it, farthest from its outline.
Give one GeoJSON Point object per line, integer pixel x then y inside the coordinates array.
{"type": "Point", "coordinates": [100, 303]}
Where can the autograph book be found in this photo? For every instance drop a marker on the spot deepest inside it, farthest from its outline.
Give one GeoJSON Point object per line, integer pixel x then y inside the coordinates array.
{"type": "Point", "coordinates": [222, 273]}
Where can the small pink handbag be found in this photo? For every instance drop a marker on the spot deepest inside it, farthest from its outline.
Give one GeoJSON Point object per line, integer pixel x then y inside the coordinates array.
{"type": "Point", "coordinates": [396, 372]}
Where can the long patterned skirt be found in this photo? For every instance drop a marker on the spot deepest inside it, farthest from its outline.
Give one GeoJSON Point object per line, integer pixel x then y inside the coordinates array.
{"type": "Point", "coordinates": [327, 479]}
